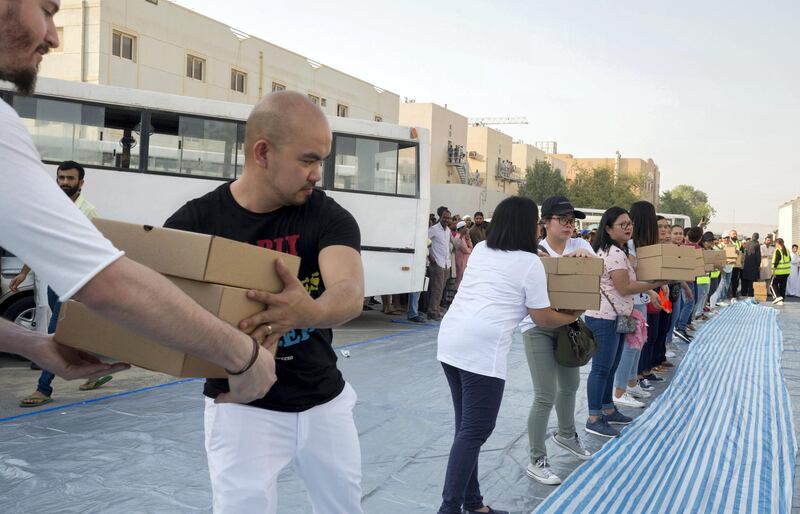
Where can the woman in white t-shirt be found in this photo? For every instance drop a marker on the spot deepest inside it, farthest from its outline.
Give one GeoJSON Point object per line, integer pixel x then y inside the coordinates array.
{"type": "Point", "coordinates": [504, 282]}
{"type": "Point", "coordinates": [618, 286]}
{"type": "Point", "coordinates": [553, 384]}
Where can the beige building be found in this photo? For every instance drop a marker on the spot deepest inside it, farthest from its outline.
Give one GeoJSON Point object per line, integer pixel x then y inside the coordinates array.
{"type": "Point", "coordinates": [524, 156]}
{"type": "Point", "coordinates": [162, 46]}
{"type": "Point", "coordinates": [490, 157]}
{"type": "Point", "coordinates": [647, 169]}
{"type": "Point", "coordinates": [448, 140]}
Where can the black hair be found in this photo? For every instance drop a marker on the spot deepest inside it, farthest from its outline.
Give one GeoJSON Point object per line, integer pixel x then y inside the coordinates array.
{"type": "Point", "coordinates": [479, 213]}
{"type": "Point", "coordinates": [660, 217]}
{"type": "Point", "coordinates": [72, 165]}
{"type": "Point", "coordinates": [784, 252]}
{"type": "Point", "coordinates": [794, 246]}
{"type": "Point", "coordinates": [645, 224]}
{"type": "Point", "coordinates": [675, 226]}
{"type": "Point", "coordinates": [441, 210]}
{"type": "Point", "coordinates": [514, 225]}
{"type": "Point", "coordinates": [602, 239]}
{"type": "Point", "coordinates": [695, 234]}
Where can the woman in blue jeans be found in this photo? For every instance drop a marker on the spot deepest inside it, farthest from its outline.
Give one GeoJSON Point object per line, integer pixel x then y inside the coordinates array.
{"type": "Point", "coordinates": [504, 282]}
{"type": "Point", "coordinates": [618, 285]}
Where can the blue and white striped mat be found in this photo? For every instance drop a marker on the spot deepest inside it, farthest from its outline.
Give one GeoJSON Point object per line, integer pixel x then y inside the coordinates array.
{"type": "Point", "coordinates": [719, 440]}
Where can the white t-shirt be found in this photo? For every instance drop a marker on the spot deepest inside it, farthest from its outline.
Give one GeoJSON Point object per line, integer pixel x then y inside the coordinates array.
{"type": "Point", "coordinates": [38, 222]}
{"type": "Point", "coordinates": [573, 244]}
{"type": "Point", "coordinates": [495, 294]}
{"type": "Point", "coordinates": [440, 244]}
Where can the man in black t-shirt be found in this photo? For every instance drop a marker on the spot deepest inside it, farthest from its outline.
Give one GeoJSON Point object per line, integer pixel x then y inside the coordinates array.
{"type": "Point", "coordinates": [306, 418]}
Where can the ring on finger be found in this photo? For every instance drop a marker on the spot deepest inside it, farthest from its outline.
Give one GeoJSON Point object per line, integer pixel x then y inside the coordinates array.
{"type": "Point", "coordinates": [269, 330]}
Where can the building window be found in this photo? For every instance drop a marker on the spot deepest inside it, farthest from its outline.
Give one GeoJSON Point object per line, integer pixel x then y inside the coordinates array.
{"type": "Point", "coordinates": [195, 67]}
{"type": "Point", "coordinates": [239, 81]}
{"type": "Point", "coordinates": [60, 33]}
{"type": "Point", "coordinates": [323, 102]}
{"type": "Point", "coordinates": [277, 86]}
{"type": "Point", "coordinates": [342, 111]}
{"type": "Point", "coordinates": [123, 45]}
{"type": "Point", "coordinates": [378, 118]}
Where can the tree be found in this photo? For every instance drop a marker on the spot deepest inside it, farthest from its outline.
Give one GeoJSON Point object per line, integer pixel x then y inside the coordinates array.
{"type": "Point", "coordinates": [685, 199]}
{"type": "Point", "coordinates": [597, 189]}
{"type": "Point", "coordinates": [541, 182]}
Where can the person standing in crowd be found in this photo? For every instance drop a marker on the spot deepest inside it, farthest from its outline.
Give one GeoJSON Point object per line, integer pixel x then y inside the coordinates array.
{"type": "Point", "coordinates": [478, 232]}
{"type": "Point", "coordinates": [683, 296]}
{"type": "Point", "coordinates": [439, 262]}
{"type": "Point", "coordinates": [736, 274]}
{"type": "Point", "coordinates": [306, 419]}
{"type": "Point", "coordinates": [751, 271]}
{"type": "Point", "coordinates": [709, 243]}
{"type": "Point", "coordinates": [505, 281]}
{"type": "Point", "coordinates": [553, 384]}
{"type": "Point", "coordinates": [781, 269]}
{"type": "Point", "coordinates": [618, 286]}
{"type": "Point", "coordinates": [469, 222]}
{"type": "Point", "coordinates": [728, 270]}
{"type": "Point", "coordinates": [70, 177]}
{"type": "Point", "coordinates": [463, 250]}
{"type": "Point", "coordinates": [767, 251]}
{"type": "Point", "coordinates": [793, 284]}
{"type": "Point", "coordinates": [693, 237]}
{"type": "Point", "coordinates": [630, 384]}
{"type": "Point", "coordinates": [45, 229]}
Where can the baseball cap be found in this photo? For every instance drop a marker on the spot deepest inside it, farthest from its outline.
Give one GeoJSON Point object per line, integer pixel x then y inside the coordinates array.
{"type": "Point", "coordinates": [725, 234]}
{"type": "Point", "coordinates": [460, 225]}
{"type": "Point", "coordinates": [708, 236]}
{"type": "Point", "coordinates": [558, 206]}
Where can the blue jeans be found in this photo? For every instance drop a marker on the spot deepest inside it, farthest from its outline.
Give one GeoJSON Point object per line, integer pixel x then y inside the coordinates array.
{"type": "Point", "coordinates": [629, 361]}
{"type": "Point", "coordinates": [724, 286]}
{"type": "Point", "coordinates": [413, 302]}
{"type": "Point", "coordinates": [476, 400]}
{"type": "Point", "coordinates": [677, 307]}
{"type": "Point", "coordinates": [46, 378]}
{"type": "Point", "coordinates": [600, 386]}
{"type": "Point", "coordinates": [701, 293]}
{"type": "Point", "coordinates": [687, 307]}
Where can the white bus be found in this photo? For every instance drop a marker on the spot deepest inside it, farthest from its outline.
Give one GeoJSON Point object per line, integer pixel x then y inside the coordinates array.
{"type": "Point", "coordinates": [593, 219]}
{"type": "Point", "coordinates": [148, 153]}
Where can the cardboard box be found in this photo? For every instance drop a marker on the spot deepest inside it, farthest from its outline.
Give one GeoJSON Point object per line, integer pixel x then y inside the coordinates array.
{"type": "Point", "coordinates": [198, 256]}
{"type": "Point", "coordinates": [715, 257]}
{"type": "Point", "coordinates": [81, 328]}
{"type": "Point", "coordinates": [652, 269]}
{"type": "Point", "coordinates": [760, 291]}
{"type": "Point", "coordinates": [700, 262]}
{"type": "Point", "coordinates": [575, 301]}
{"type": "Point", "coordinates": [734, 256]}
{"type": "Point", "coordinates": [573, 266]}
{"type": "Point", "coordinates": [677, 256]}
{"type": "Point", "coordinates": [573, 282]}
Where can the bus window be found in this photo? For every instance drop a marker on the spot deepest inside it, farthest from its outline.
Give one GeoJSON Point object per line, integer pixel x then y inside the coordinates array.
{"type": "Point", "coordinates": [90, 134]}
{"type": "Point", "coordinates": [375, 166]}
{"type": "Point", "coordinates": [195, 146]}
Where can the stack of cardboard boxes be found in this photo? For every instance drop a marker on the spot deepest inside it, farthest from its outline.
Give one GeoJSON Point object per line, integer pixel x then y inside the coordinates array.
{"type": "Point", "coordinates": [734, 256]}
{"type": "Point", "coordinates": [714, 259]}
{"type": "Point", "coordinates": [573, 282]}
{"type": "Point", "coordinates": [666, 262]}
{"type": "Point", "coordinates": [215, 272]}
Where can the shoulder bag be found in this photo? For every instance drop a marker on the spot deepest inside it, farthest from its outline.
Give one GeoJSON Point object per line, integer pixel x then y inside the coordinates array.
{"type": "Point", "coordinates": [626, 324]}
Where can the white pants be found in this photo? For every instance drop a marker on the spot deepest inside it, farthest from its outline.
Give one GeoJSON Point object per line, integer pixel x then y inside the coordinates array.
{"type": "Point", "coordinates": [247, 448]}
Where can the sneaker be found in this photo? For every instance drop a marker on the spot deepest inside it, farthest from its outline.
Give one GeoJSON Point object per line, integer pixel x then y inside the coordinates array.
{"type": "Point", "coordinates": [490, 511]}
{"type": "Point", "coordinates": [627, 400]}
{"type": "Point", "coordinates": [671, 355]}
{"type": "Point", "coordinates": [780, 303]}
{"type": "Point", "coordinates": [542, 472]}
{"type": "Point", "coordinates": [652, 377]}
{"type": "Point", "coordinates": [601, 428]}
{"type": "Point", "coordinates": [723, 304]}
{"type": "Point", "coordinates": [777, 300]}
{"type": "Point", "coordinates": [617, 418]}
{"type": "Point", "coordinates": [418, 319]}
{"type": "Point", "coordinates": [638, 392]}
{"type": "Point", "coordinates": [572, 445]}
{"type": "Point", "coordinates": [645, 384]}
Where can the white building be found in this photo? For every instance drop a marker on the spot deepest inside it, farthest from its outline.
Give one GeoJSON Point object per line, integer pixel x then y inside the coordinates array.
{"type": "Point", "coordinates": [162, 46]}
{"type": "Point", "coordinates": [789, 222]}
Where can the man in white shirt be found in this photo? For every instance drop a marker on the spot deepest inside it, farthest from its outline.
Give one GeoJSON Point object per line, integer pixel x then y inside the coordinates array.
{"type": "Point", "coordinates": [439, 261]}
{"type": "Point", "coordinates": [68, 252]}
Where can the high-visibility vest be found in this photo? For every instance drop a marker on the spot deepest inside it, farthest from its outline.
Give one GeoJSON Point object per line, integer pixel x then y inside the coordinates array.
{"type": "Point", "coordinates": [738, 245]}
{"type": "Point", "coordinates": [715, 274]}
{"type": "Point", "coordinates": [784, 266]}
{"type": "Point", "coordinates": [703, 279]}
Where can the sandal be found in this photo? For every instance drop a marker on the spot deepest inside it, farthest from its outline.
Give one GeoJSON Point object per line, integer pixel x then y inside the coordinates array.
{"type": "Point", "coordinates": [94, 384]}
{"type": "Point", "coordinates": [34, 400]}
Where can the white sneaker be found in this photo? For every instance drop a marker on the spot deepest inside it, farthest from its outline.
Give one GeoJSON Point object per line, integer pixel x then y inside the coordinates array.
{"type": "Point", "coordinates": [778, 301]}
{"type": "Point", "coordinates": [542, 473]}
{"type": "Point", "coordinates": [627, 400]}
{"type": "Point", "coordinates": [722, 304]}
{"type": "Point", "coordinates": [637, 392]}
{"type": "Point", "coordinates": [670, 354]}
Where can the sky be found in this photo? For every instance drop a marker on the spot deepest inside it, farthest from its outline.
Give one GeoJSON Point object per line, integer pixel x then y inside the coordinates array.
{"type": "Point", "coordinates": [709, 90]}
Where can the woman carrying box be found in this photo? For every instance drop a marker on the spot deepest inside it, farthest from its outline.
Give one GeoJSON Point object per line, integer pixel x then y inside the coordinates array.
{"type": "Point", "coordinates": [504, 282]}
{"type": "Point", "coordinates": [552, 382]}
{"type": "Point", "coordinates": [618, 285]}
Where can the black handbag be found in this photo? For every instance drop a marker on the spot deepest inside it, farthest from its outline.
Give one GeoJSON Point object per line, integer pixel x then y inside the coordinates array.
{"type": "Point", "coordinates": [575, 344]}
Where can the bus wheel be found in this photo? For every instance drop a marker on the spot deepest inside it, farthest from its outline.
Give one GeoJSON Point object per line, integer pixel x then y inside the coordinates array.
{"type": "Point", "coordinates": [22, 312]}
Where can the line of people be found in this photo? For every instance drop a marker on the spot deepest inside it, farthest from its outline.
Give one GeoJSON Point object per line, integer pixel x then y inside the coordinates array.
{"type": "Point", "coordinates": [504, 287]}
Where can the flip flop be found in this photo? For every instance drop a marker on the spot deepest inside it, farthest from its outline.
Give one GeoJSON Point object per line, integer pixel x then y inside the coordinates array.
{"type": "Point", "coordinates": [94, 384]}
{"type": "Point", "coordinates": [34, 401]}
